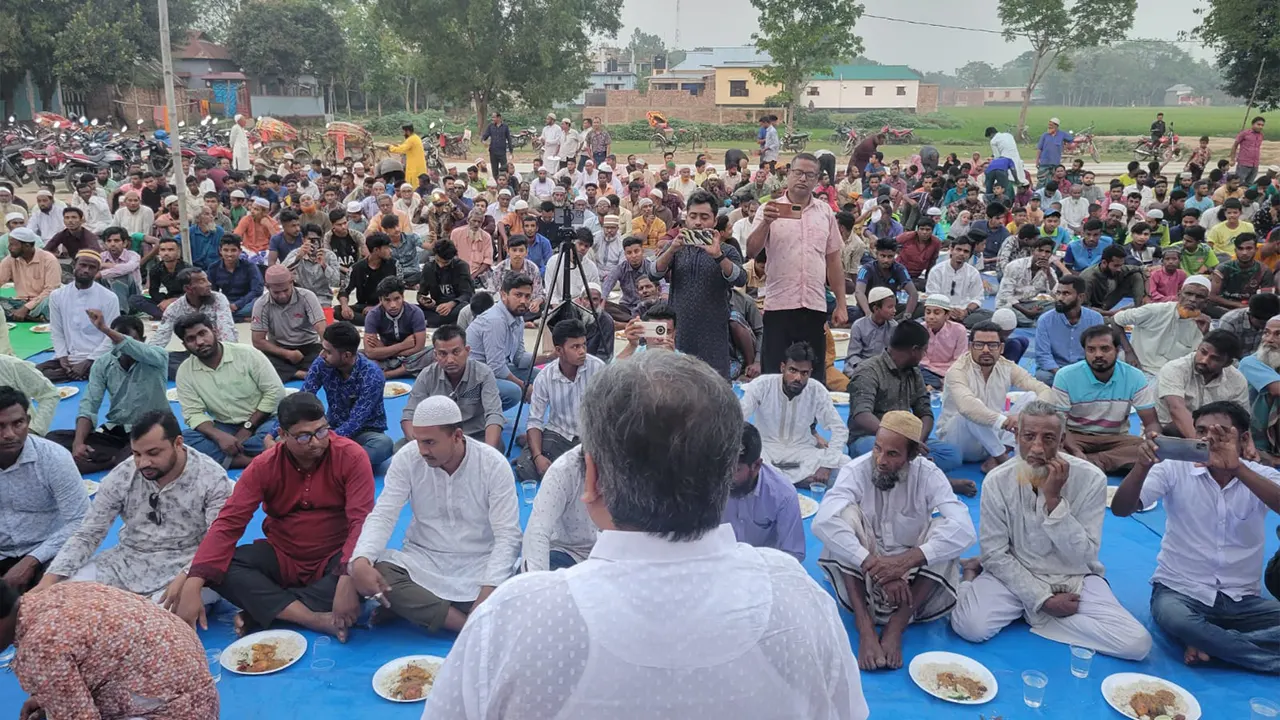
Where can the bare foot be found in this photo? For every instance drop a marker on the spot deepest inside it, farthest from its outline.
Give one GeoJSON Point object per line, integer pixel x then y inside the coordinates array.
{"type": "Point", "coordinates": [891, 644]}
{"type": "Point", "coordinates": [960, 486]}
{"type": "Point", "coordinates": [870, 654]}
{"type": "Point", "coordinates": [244, 625]}
{"type": "Point", "coordinates": [972, 568]}
{"type": "Point", "coordinates": [325, 623]}
{"type": "Point", "coordinates": [992, 463]}
{"type": "Point", "coordinates": [821, 475]}
{"type": "Point", "coordinates": [1194, 657]}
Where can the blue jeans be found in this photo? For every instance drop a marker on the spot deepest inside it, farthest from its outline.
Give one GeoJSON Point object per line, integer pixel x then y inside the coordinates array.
{"type": "Point", "coordinates": [561, 560]}
{"type": "Point", "coordinates": [931, 378]}
{"type": "Point", "coordinates": [252, 445]}
{"type": "Point", "coordinates": [946, 457]}
{"type": "Point", "coordinates": [1243, 633]}
{"type": "Point", "coordinates": [509, 391]}
{"type": "Point", "coordinates": [1045, 377]}
{"type": "Point", "coordinates": [376, 444]}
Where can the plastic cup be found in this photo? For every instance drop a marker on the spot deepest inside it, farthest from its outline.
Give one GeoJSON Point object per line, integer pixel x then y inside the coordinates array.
{"type": "Point", "coordinates": [1033, 683]}
{"type": "Point", "coordinates": [214, 657]}
{"type": "Point", "coordinates": [320, 659]}
{"type": "Point", "coordinates": [818, 490]}
{"type": "Point", "coordinates": [1264, 709]}
{"type": "Point", "coordinates": [528, 489]}
{"type": "Point", "coordinates": [328, 315]}
{"type": "Point", "coordinates": [1081, 659]}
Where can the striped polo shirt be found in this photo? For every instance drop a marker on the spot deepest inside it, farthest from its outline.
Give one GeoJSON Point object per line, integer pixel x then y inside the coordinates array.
{"type": "Point", "coordinates": [1097, 407]}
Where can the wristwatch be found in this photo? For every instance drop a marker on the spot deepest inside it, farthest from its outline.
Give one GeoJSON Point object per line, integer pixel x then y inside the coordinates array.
{"type": "Point", "coordinates": [248, 425]}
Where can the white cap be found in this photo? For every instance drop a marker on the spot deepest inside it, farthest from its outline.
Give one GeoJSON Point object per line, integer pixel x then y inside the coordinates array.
{"type": "Point", "coordinates": [436, 410]}
{"type": "Point", "coordinates": [504, 191]}
{"type": "Point", "coordinates": [42, 192]}
{"type": "Point", "coordinates": [1155, 214]}
{"type": "Point", "coordinates": [237, 194]}
{"type": "Point", "coordinates": [938, 300]}
{"type": "Point", "coordinates": [593, 286]}
{"type": "Point", "coordinates": [1201, 280]}
{"type": "Point", "coordinates": [1273, 168]}
{"type": "Point", "coordinates": [406, 186]}
{"type": "Point", "coordinates": [1005, 319]}
{"type": "Point", "coordinates": [605, 168]}
{"type": "Point", "coordinates": [490, 183]}
{"type": "Point", "coordinates": [14, 216]}
{"type": "Point", "coordinates": [519, 205]}
{"type": "Point", "coordinates": [261, 201]}
{"type": "Point", "coordinates": [288, 156]}
{"type": "Point", "coordinates": [357, 165]}
{"type": "Point", "coordinates": [1055, 121]}
{"type": "Point", "coordinates": [459, 183]}
{"type": "Point", "coordinates": [933, 212]}
{"type": "Point", "coordinates": [354, 208]}
{"type": "Point", "coordinates": [169, 200]}
{"type": "Point", "coordinates": [644, 202]}
{"type": "Point", "coordinates": [878, 293]}
{"type": "Point", "coordinates": [1118, 206]}
{"type": "Point", "coordinates": [656, 193]}
{"type": "Point", "coordinates": [25, 235]}
{"type": "Point", "coordinates": [610, 220]}
{"type": "Point", "coordinates": [238, 117]}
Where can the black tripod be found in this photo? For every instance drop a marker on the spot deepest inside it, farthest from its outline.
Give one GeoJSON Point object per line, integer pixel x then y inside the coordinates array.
{"type": "Point", "coordinates": [566, 310]}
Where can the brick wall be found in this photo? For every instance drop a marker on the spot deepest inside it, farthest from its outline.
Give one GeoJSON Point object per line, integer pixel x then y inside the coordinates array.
{"type": "Point", "coordinates": [624, 106]}
{"type": "Point", "coordinates": [927, 99]}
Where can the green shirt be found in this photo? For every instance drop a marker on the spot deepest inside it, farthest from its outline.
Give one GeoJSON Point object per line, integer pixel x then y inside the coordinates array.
{"type": "Point", "coordinates": [135, 391]}
{"type": "Point", "coordinates": [26, 379]}
{"type": "Point", "coordinates": [243, 382]}
{"type": "Point", "coordinates": [1200, 261]}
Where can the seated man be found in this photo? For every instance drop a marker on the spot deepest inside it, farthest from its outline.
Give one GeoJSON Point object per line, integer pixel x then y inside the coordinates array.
{"type": "Point", "coordinates": [76, 343]}
{"type": "Point", "coordinates": [869, 334]}
{"type": "Point", "coordinates": [35, 274]}
{"type": "Point", "coordinates": [1205, 376]}
{"type": "Point", "coordinates": [1028, 283]}
{"type": "Point", "coordinates": [746, 336]}
{"type": "Point", "coordinates": [44, 500]}
{"type": "Point", "coordinates": [1209, 600]}
{"type": "Point", "coordinates": [948, 340]}
{"type": "Point", "coordinates": [1058, 330]}
{"type": "Point", "coordinates": [352, 386]}
{"type": "Point", "coordinates": [366, 274]}
{"type": "Point", "coordinates": [1237, 280]}
{"type": "Point", "coordinates": [163, 285]}
{"type": "Point", "coordinates": [80, 646]}
{"type": "Point", "coordinates": [973, 418]}
{"type": "Point", "coordinates": [120, 266]}
{"type": "Point", "coordinates": [626, 275]}
{"type": "Point", "coordinates": [287, 323]}
{"type": "Point", "coordinates": [497, 340]}
{"type": "Point", "coordinates": [1247, 323]}
{"type": "Point", "coordinates": [159, 537]}
{"type": "Point", "coordinates": [1097, 394]}
{"type": "Point", "coordinates": [460, 545]}
{"type": "Point", "coordinates": [1262, 371]}
{"type": "Point", "coordinates": [787, 408]}
{"type": "Point", "coordinates": [198, 297]}
{"type": "Point", "coordinates": [518, 262]}
{"type": "Point", "coordinates": [23, 376]}
{"type": "Point", "coordinates": [889, 561]}
{"type": "Point", "coordinates": [239, 280]}
{"type": "Point", "coordinates": [1165, 331]}
{"type": "Point", "coordinates": [314, 266]}
{"type": "Point", "coordinates": [763, 507]}
{"type": "Point", "coordinates": [560, 533]}
{"type": "Point", "coordinates": [227, 392]}
{"type": "Point", "coordinates": [1014, 347]}
{"type": "Point", "coordinates": [892, 381]}
{"type": "Point", "coordinates": [134, 375]}
{"type": "Point", "coordinates": [1111, 281]}
{"type": "Point", "coordinates": [446, 286]}
{"type": "Point", "coordinates": [395, 332]}
{"type": "Point", "coordinates": [556, 399]}
{"type": "Point", "coordinates": [600, 329]}
{"type": "Point", "coordinates": [662, 337]}
{"type": "Point", "coordinates": [959, 280]}
{"type": "Point", "coordinates": [458, 376]}
{"type": "Point", "coordinates": [886, 272]}
{"type": "Point", "coordinates": [316, 488]}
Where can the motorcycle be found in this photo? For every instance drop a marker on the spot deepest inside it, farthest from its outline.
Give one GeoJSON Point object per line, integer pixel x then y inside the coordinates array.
{"type": "Point", "coordinates": [1082, 145]}
{"type": "Point", "coordinates": [850, 140]}
{"type": "Point", "coordinates": [795, 141]}
{"type": "Point", "coordinates": [898, 136]}
{"type": "Point", "coordinates": [1168, 148]}
{"type": "Point", "coordinates": [522, 138]}
{"type": "Point", "coordinates": [454, 145]}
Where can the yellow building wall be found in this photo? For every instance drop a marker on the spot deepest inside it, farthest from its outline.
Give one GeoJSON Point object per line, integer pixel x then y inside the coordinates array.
{"type": "Point", "coordinates": [757, 92]}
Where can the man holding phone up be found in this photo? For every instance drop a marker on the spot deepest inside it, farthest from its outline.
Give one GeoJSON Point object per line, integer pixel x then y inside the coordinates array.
{"type": "Point", "coordinates": [803, 243]}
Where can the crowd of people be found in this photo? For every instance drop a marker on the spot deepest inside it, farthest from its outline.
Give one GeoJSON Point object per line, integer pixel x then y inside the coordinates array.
{"type": "Point", "coordinates": [1141, 299]}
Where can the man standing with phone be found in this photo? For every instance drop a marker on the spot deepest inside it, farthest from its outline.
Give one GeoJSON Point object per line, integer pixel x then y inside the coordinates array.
{"type": "Point", "coordinates": [802, 240]}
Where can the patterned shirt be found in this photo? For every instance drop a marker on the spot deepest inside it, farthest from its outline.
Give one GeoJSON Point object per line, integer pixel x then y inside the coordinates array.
{"type": "Point", "coordinates": [148, 555]}
{"type": "Point", "coordinates": [355, 402]}
{"type": "Point", "coordinates": [80, 646]}
{"type": "Point", "coordinates": [1097, 407]}
{"type": "Point", "coordinates": [556, 400]}
{"type": "Point", "coordinates": [476, 395]}
{"type": "Point", "coordinates": [1237, 322]}
{"type": "Point", "coordinates": [217, 308]}
{"type": "Point", "coordinates": [529, 270]}
{"type": "Point", "coordinates": [878, 386]}
{"type": "Point", "coordinates": [42, 501]}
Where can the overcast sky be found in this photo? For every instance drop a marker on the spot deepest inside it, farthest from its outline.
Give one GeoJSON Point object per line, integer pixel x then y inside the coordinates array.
{"type": "Point", "coordinates": [731, 22]}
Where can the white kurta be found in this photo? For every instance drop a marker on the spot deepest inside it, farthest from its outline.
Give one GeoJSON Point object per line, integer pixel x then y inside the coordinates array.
{"type": "Point", "coordinates": [73, 334]}
{"type": "Point", "coordinates": [465, 529]}
{"type": "Point", "coordinates": [240, 148]}
{"type": "Point", "coordinates": [784, 426]}
{"type": "Point", "coordinates": [973, 412]}
{"type": "Point", "coordinates": [559, 520]}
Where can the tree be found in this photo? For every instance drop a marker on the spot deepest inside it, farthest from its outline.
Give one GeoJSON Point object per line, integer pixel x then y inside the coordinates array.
{"type": "Point", "coordinates": [495, 51]}
{"type": "Point", "coordinates": [803, 38]}
{"type": "Point", "coordinates": [215, 18]}
{"type": "Point", "coordinates": [977, 74]}
{"type": "Point", "coordinates": [644, 47]}
{"type": "Point", "coordinates": [284, 39]}
{"type": "Point", "coordinates": [1054, 28]}
{"type": "Point", "coordinates": [1245, 34]}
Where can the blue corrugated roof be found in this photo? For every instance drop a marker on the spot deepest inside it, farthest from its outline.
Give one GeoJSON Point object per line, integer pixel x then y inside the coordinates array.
{"type": "Point", "coordinates": [721, 56]}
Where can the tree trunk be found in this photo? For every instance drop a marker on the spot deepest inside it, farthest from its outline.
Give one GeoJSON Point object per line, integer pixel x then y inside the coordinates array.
{"type": "Point", "coordinates": [31, 94]}
{"type": "Point", "coordinates": [1032, 81]}
{"type": "Point", "coordinates": [482, 109]}
{"type": "Point", "coordinates": [407, 83]}
{"type": "Point", "coordinates": [379, 105]}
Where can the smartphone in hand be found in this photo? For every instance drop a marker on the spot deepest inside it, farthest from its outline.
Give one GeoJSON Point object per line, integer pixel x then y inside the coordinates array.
{"type": "Point", "coordinates": [787, 210]}
{"type": "Point", "coordinates": [1185, 449]}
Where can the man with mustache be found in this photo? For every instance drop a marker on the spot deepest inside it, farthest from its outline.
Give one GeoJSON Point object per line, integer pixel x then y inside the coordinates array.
{"type": "Point", "coordinates": [889, 560]}
{"type": "Point", "coordinates": [1192, 381]}
{"type": "Point", "coordinates": [1262, 371]}
{"type": "Point", "coordinates": [1041, 529]}
{"type": "Point", "coordinates": [1163, 332]}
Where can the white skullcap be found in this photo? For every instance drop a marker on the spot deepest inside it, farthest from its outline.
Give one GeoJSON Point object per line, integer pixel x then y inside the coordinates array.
{"type": "Point", "coordinates": [238, 117]}
{"type": "Point", "coordinates": [42, 192]}
{"type": "Point", "coordinates": [1201, 280]}
{"type": "Point", "coordinates": [593, 286]}
{"type": "Point", "coordinates": [435, 411]}
{"type": "Point", "coordinates": [933, 212]}
{"type": "Point", "coordinates": [262, 202]}
{"type": "Point", "coordinates": [169, 200]}
{"type": "Point", "coordinates": [505, 191]}
{"type": "Point", "coordinates": [1005, 319]}
{"type": "Point", "coordinates": [1155, 214]}
{"type": "Point", "coordinates": [288, 156]}
{"type": "Point", "coordinates": [237, 194]}
{"type": "Point", "coordinates": [15, 215]}
{"type": "Point", "coordinates": [406, 186]}
{"type": "Point", "coordinates": [656, 193]}
{"type": "Point", "coordinates": [354, 208]}
{"type": "Point", "coordinates": [519, 205]}
{"type": "Point", "coordinates": [604, 168]}
{"type": "Point", "coordinates": [25, 235]}
{"type": "Point", "coordinates": [878, 293]}
{"type": "Point", "coordinates": [938, 300]}
{"type": "Point", "coordinates": [1118, 206]}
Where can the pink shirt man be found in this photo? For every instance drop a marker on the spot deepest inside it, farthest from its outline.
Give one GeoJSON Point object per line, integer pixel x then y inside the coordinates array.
{"type": "Point", "coordinates": [797, 250]}
{"type": "Point", "coordinates": [945, 347]}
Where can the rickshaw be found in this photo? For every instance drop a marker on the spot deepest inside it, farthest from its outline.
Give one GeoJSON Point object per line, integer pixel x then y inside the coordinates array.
{"type": "Point", "coordinates": [48, 119]}
{"type": "Point", "coordinates": [342, 139]}
{"type": "Point", "coordinates": [275, 138]}
{"type": "Point", "coordinates": [667, 137]}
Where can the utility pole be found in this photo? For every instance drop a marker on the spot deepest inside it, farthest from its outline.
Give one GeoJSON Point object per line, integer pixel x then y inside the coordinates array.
{"type": "Point", "coordinates": [175, 145]}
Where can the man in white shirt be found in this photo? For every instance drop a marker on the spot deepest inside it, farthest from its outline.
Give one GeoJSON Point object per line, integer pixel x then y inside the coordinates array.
{"type": "Point", "coordinates": [1205, 590]}
{"type": "Point", "coordinates": [571, 146]}
{"type": "Point", "coordinates": [552, 138]}
{"type": "Point", "coordinates": [890, 562]}
{"type": "Point", "coordinates": [786, 407]}
{"type": "Point", "coordinates": [46, 216]}
{"type": "Point", "coordinates": [1041, 526]}
{"type": "Point", "coordinates": [1162, 332]}
{"type": "Point", "coordinates": [97, 214]}
{"type": "Point", "coordinates": [556, 401]}
{"type": "Point", "coordinates": [1003, 145]}
{"type": "Point", "coordinates": [464, 534]}
{"type": "Point", "coordinates": [668, 599]}
{"type": "Point", "coordinates": [684, 183]}
{"type": "Point", "coordinates": [960, 281]}
{"type": "Point", "coordinates": [132, 215]}
{"type": "Point", "coordinates": [76, 342]}
{"type": "Point", "coordinates": [1205, 376]}
{"type": "Point", "coordinates": [560, 533]}
{"type": "Point", "coordinates": [553, 278]}
{"type": "Point", "coordinates": [974, 395]}
{"type": "Point", "coordinates": [240, 145]}
{"type": "Point", "coordinates": [542, 186]}
{"type": "Point", "coordinates": [1075, 209]}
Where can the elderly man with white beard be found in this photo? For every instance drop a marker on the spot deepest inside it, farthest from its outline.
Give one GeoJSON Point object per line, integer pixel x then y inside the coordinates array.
{"type": "Point", "coordinates": [1041, 529]}
{"type": "Point", "coordinates": [889, 560]}
{"type": "Point", "coordinates": [1262, 371]}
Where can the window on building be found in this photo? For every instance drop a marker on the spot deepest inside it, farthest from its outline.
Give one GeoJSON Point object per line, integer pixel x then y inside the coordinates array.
{"type": "Point", "coordinates": [811, 91]}
{"type": "Point", "coordinates": [902, 89]}
{"type": "Point", "coordinates": [738, 88]}
{"type": "Point", "coordinates": [869, 90]}
{"type": "Point", "coordinates": [1008, 94]}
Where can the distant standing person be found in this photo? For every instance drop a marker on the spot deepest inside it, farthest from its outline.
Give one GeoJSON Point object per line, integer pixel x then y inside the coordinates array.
{"type": "Point", "coordinates": [771, 147]}
{"type": "Point", "coordinates": [1049, 151]}
{"type": "Point", "coordinates": [500, 144]}
{"type": "Point", "coordinates": [863, 152]}
{"type": "Point", "coordinates": [1246, 151]}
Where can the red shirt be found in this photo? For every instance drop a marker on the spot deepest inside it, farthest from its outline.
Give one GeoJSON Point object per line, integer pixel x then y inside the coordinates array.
{"type": "Point", "coordinates": [310, 516]}
{"type": "Point", "coordinates": [917, 257]}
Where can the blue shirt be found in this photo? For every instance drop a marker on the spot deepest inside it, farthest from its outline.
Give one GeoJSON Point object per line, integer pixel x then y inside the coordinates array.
{"type": "Point", "coordinates": [540, 251]}
{"type": "Point", "coordinates": [1058, 341]}
{"type": "Point", "coordinates": [496, 338]}
{"type": "Point", "coordinates": [355, 402]}
{"type": "Point", "coordinates": [1061, 236]}
{"type": "Point", "coordinates": [1079, 256]}
{"type": "Point", "coordinates": [204, 245]}
{"type": "Point", "coordinates": [897, 279]}
{"type": "Point", "coordinates": [282, 246]}
{"type": "Point", "coordinates": [1050, 147]}
{"type": "Point", "coordinates": [769, 515]}
{"type": "Point", "coordinates": [1000, 163]}
{"type": "Point", "coordinates": [42, 501]}
{"type": "Point", "coordinates": [1201, 205]}
{"type": "Point", "coordinates": [242, 286]}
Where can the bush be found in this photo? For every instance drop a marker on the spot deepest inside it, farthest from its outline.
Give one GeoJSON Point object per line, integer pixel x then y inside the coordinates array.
{"type": "Point", "coordinates": [876, 119]}
{"type": "Point", "coordinates": [390, 123]}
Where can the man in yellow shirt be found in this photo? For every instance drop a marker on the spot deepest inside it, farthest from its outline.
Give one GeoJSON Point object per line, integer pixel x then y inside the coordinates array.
{"type": "Point", "coordinates": [415, 163]}
{"type": "Point", "coordinates": [1222, 235]}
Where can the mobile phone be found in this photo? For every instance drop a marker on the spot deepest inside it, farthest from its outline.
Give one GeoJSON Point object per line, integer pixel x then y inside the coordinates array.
{"type": "Point", "coordinates": [697, 237]}
{"type": "Point", "coordinates": [788, 210]}
{"type": "Point", "coordinates": [654, 329]}
{"type": "Point", "coordinates": [1185, 449]}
